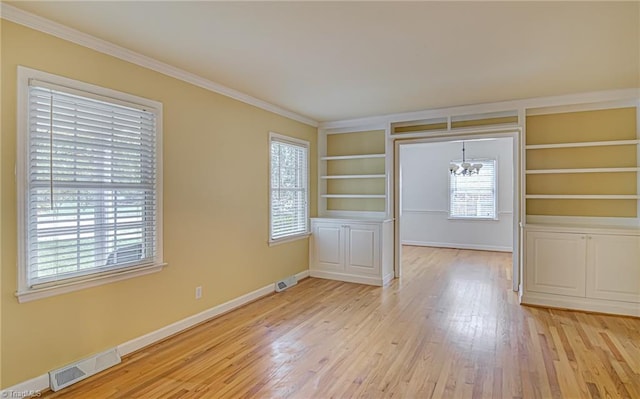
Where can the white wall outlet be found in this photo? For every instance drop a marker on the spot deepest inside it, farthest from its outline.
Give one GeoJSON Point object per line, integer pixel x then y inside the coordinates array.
{"type": "Point", "coordinates": [198, 292]}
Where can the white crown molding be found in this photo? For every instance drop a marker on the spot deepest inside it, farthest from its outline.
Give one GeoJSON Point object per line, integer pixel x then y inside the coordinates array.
{"type": "Point", "coordinates": [16, 15]}
{"type": "Point", "coordinates": [619, 96]}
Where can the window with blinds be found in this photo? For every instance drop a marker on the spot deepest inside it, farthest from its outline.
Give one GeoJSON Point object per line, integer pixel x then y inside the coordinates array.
{"type": "Point", "coordinates": [474, 196]}
{"type": "Point", "coordinates": [289, 213]}
{"type": "Point", "coordinates": [91, 185]}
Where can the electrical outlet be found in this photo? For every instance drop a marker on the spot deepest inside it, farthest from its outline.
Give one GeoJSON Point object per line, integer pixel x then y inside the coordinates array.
{"type": "Point", "coordinates": [198, 292]}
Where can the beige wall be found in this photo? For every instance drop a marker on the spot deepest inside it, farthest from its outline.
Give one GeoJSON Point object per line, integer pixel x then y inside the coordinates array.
{"type": "Point", "coordinates": [215, 212]}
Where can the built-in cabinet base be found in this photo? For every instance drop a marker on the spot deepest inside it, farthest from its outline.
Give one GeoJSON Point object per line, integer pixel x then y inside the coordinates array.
{"type": "Point", "coordinates": [583, 268]}
{"type": "Point", "coordinates": [352, 250]}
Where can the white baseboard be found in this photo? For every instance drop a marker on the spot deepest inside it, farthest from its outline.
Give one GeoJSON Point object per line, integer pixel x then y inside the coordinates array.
{"type": "Point", "coordinates": [458, 246]}
{"type": "Point", "coordinates": [26, 389]}
{"type": "Point", "coordinates": [349, 278]}
{"type": "Point", "coordinates": [174, 328]}
{"type": "Point", "coordinates": [164, 332]}
{"type": "Point", "coordinates": [38, 384]}
{"type": "Point", "coordinates": [388, 278]}
{"type": "Point", "coordinates": [302, 275]}
{"type": "Point", "coordinates": [582, 304]}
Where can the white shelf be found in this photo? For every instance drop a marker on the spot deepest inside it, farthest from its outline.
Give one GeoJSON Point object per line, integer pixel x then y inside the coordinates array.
{"type": "Point", "coordinates": [582, 170]}
{"type": "Point", "coordinates": [343, 157]}
{"type": "Point", "coordinates": [380, 176]}
{"type": "Point", "coordinates": [580, 196]}
{"type": "Point", "coordinates": [582, 144]}
{"type": "Point", "coordinates": [353, 196]}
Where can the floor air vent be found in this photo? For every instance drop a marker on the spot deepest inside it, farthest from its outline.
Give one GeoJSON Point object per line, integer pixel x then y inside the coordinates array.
{"type": "Point", "coordinates": [65, 376]}
{"type": "Point", "coordinates": [286, 283]}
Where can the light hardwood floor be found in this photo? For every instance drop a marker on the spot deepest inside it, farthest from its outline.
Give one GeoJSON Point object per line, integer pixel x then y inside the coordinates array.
{"type": "Point", "coordinates": [450, 328]}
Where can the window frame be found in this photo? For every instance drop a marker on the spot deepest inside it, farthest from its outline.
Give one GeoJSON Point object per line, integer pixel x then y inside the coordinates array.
{"type": "Point", "coordinates": [495, 192]}
{"type": "Point", "coordinates": [24, 292]}
{"type": "Point", "coordinates": [302, 143]}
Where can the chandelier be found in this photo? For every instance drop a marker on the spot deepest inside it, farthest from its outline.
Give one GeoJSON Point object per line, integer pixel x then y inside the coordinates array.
{"type": "Point", "coordinates": [465, 168]}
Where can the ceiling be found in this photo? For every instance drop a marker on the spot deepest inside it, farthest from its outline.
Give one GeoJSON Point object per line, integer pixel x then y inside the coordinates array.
{"type": "Point", "coordinates": [340, 60]}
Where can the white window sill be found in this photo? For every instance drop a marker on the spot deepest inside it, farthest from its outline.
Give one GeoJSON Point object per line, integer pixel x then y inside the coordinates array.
{"type": "Point", "coordinates": [32, 294]}
{"type": "Point", "coordinates": [489, 219]}
{"type": "Point", "coordinates": [288, 239]}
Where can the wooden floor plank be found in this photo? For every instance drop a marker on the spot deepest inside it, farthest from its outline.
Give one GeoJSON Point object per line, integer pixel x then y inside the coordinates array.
{"type": "Point", "coordinates": [451, 327]}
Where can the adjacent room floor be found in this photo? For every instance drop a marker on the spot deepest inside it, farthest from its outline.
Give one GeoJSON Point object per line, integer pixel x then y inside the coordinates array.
{"type": "Point", "coordinates": [451, 327]}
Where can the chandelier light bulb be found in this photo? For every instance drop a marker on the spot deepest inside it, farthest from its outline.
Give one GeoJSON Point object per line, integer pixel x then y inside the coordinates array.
{"type": "Point", "coordinates": [465, 168]}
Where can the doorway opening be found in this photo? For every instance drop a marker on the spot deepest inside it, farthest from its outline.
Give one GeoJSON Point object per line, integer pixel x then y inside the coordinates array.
{"type": "Point", "coordinates": [467, 210]}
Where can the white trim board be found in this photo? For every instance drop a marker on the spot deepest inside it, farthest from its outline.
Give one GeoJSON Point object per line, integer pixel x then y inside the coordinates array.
{"type": "Point", "coordinates": [587, 100]}
{"type": "Point", "coordinates": [445, 212]}
{"type": "Point", "coordinates": [582, 107]}
{"type": "Point", "coordinates": [457, 246]}
{"type": "Point", "coordinates": [352, 214]}
{"type": "Point", "coordinates": [352, 278]}
{"type": "Point", "coordinates": [32, 387]}
{"type": "Point", "coordinates": [590, 221]}
{"type": "Point", "coordinates": [40, 383]}
{"type": "Point", "coordinates": [580, 304]}
{"type": "Point", "coordinates": [47, 26]}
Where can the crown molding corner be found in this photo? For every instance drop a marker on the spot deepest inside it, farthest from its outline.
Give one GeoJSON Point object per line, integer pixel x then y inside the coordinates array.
{"type": "Point", "coordinates": [21, 17]}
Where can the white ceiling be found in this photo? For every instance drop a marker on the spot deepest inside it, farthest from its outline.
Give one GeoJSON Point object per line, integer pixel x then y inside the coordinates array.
{"type": "Point", "coordinates": [340, 60]}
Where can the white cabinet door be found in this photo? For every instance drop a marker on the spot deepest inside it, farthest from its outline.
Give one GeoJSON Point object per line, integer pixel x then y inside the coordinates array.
{"type": "Point", "coordinates": [351, 250]}
{"type": "Point", "coordinates": [363, 244]}
{"type": "Point", "coordinates": [613, 267]}
{"type": "Point", "coordinates": [328, 247]}
{"type": "Point", "coordinates": [556, 263]}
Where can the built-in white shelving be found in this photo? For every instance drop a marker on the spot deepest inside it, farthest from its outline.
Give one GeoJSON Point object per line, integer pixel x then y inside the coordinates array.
{"type": "Point", "coordinates": [354, 196]}
{"type": "Point", "coordinates": [582, 170]}
{"type": "Point", "coordinates": [581, 196]}
{"type": "Point", "coordinates": [352, 172]}
{"type": "Point", "coordinates": [377, 176]}
{"type": "Point", "coordinates": [585, 245]}
{"type": "Point", "coordinates": [582, 144]}
{"type": "Point", "coordinates": [568, 171]}
{"type": "Point", "coordinates": [347, 157]}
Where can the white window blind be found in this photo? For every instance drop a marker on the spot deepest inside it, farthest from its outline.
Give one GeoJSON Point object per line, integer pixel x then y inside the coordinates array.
{"type": "Point", "coordinates": [474, 196]}
{"type": "Point", "coordinates": [91, 184]}
{"type": "Point", "coordinates": [289, 187]}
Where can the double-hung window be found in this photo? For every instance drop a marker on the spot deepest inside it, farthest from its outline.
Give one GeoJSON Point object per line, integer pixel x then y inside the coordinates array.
{"type": "Point", "coordinates": [289, 188]}
{"type": "Point", "coordinates": [474, 196]}
{"type": "Point", "coordinates": [89, 185]}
